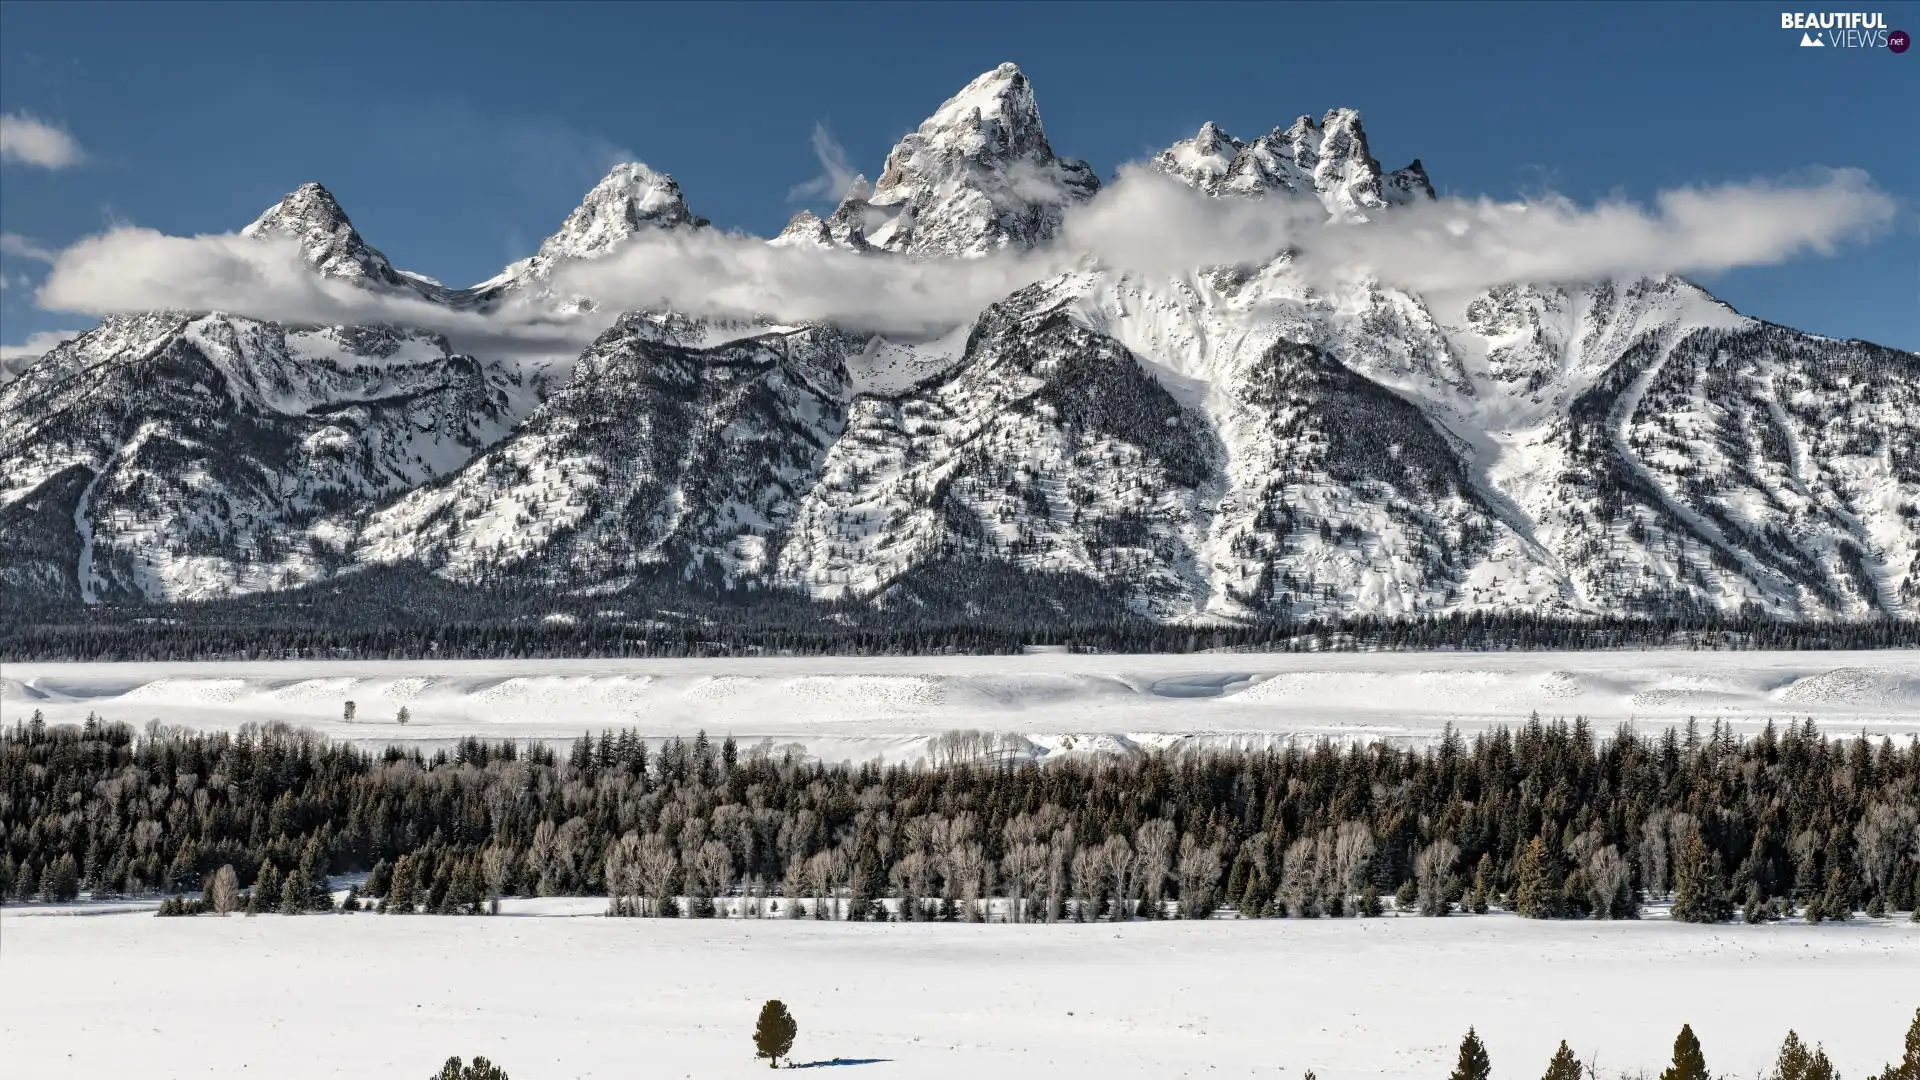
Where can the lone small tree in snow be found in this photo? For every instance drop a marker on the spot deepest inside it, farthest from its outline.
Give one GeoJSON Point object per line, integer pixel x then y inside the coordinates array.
{"type": "Point", "coordinates": [347, 713]}
{"type": "Point", "coordinates": [481, 1069]}
{"type": "Point", "coordinates": [1688, 1062]}
{"type": "Point", "coordinates": [773, 1035]}
{"type": "Point", "coordinates": [403, 715]}
{"type": "Point", "coordinates": [1473, 1064]}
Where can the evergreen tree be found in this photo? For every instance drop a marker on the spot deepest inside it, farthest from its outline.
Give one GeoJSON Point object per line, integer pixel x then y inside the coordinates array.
{"type": "Point", "coordinates": [380, 880]}
{"type": "Point", "coordinates": [773, 1034]}
{"type": "Point", "coordinates": [481, 1069]}
{"type": "Point", "coordinates": [1252, 903]}
{"type": "Point", "coordinates": [1836, 902]}
{"type": "Point", "coordinates": [1538, 896]}
{"type": "Point", "coordinates": [1688, 1062]}
{"type": "Point", "coordinates": [1699, 891]}
{"type": "Point", "coordinates": [1796, 1062]}
{"type": "Point", "coordinates": [266, 888]}
{"type": "Point", "coordinates": [1564, 1065]}
{"type": "Point", "coordinates": [294, 894]}
{"type": "Point", "coordinates": [1473, 1063]}
{"type": "Point", "coordinates": [1478, 898]}
{"type": "Point", "coordinates": [1909, 1067]}
{"type": "Point", "coordinates": [400, 898]}
{"type": "Point", "coordinates": [62, 881]}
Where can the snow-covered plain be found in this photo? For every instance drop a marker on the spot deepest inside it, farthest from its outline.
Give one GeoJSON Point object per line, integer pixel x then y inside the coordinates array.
{"type": "Point", "coordinates": [861, 708]}
{"type": "Point", "coordinates": [588, 998]}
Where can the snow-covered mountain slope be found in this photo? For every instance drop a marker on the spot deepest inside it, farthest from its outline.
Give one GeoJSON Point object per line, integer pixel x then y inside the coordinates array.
{"type": "Point", "coordinates": [1225, 443]}
{"type": "Point", "coordinates": [193, 456]}
{"type": "Point", "coordinates": [658, 455]}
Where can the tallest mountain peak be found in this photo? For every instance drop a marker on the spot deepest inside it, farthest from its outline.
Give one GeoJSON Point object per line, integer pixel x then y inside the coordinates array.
{"type": "Point", "coordinates": [995, 111]}
{"type": "Point", "coordinates": [977, 176]}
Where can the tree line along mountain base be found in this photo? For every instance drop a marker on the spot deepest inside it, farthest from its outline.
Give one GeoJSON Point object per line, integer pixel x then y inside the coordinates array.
{"type": "Point", "coordinates": [412, 618]}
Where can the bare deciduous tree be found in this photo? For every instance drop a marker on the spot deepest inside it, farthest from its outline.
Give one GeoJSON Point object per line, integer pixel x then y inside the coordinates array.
{"type": "Point", "coordinates": [1352, 856]}
{"type": "Point", "coordinates": [1117, 862]}
{"type": "Point", "coordinates": [626, 894]}
{"type": "Point", "coordinates": [1154, 842]}
{"type": "Point", "coordinates": [1300, 877]}
{"type": "Point", "coordinates": [713, 866]}
{"type": "Point", "coordinates": [223, 892]}
{"type": "Point", "coordinates": [1610, 883]}
{"type": "Point", "coordinates": [656, 864]}
{"type": "Point", "coordinates": [1884, 835]}
{"type": "Point", "coordinates": [1199, 873]}
{"type": "Point", "coordinates": [1433, 871]}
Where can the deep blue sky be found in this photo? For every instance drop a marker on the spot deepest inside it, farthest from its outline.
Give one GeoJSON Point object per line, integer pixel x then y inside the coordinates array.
{"type": "Point", "coordinates": [458, 136]}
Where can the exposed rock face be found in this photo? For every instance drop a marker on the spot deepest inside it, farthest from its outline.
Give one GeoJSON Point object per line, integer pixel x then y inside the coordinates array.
{"type": "Point", "coordinates": [311, 217]}
{"type": "Point", "coordinates": [978, 176]}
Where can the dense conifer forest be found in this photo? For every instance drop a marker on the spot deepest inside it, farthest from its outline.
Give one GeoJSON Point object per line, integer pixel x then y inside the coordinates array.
{"type": "Point", "coordinates": [509, 628]}
{"type": "Point", "coordinates": [1545, 819]}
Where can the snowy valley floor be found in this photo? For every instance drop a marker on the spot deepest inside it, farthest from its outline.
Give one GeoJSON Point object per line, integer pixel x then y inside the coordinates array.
{"type": "Point", "coordinates": [374, 997]}
{"type": "Point", "coordinates": [863, 708]}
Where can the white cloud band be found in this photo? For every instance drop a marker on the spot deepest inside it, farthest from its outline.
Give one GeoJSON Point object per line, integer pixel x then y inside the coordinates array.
{"type": "Point", "coordinates": [1145, 224]}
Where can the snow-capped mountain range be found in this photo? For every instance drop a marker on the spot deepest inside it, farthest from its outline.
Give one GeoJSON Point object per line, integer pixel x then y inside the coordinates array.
{"type": "Point", "coordinates": [1227, 443]}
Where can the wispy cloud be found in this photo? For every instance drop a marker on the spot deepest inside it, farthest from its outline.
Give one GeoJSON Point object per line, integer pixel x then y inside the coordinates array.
{"type": "Point", "coordinates": [1144, 224]}
{"type": "Point", "coordinates": [135, 269]}
{"type": "Point", "coordinates": [25, 248]}
{"type": "Point", "coordinates": [733, 276]}
{"type": "Point", "coordinates": [1151, 224]}
{"type": "Point", "coordinates": [29, 141]}
{"type": "Point", "coordinates": [837, 174]}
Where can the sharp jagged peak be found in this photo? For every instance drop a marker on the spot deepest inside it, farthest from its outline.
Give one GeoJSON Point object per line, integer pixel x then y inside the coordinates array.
{"type": "Point", "coordinates": [1327, 158]}
{"type": "Point", "coordinates": [1202, 161]}
{"type": "Point", "coordinates": [629, 198]}
{"type": "Point", "coordinates": [977, 176]}
{"type": "Point", "coordinates": [310, 216]}
{"type": "Point", "coordinates": [1407, 185]}
{"type": "Point", "coordinates": [994, 115]}
{"type": "Point", "coordinates": [846, 227]}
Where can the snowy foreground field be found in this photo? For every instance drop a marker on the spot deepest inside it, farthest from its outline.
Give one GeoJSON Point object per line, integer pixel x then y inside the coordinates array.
{"type": "Point", "coordinates": [840, 708]}
{"type": "Point", "coordinates": [375, 997]}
